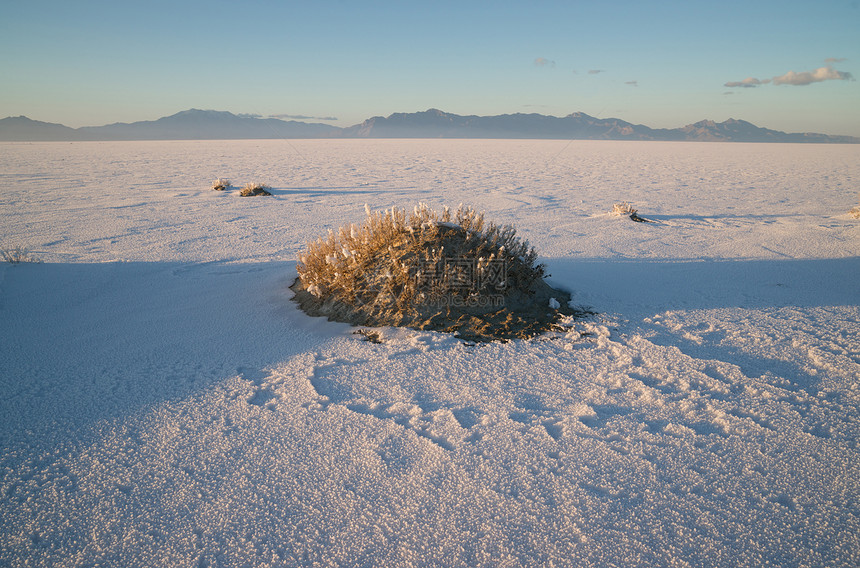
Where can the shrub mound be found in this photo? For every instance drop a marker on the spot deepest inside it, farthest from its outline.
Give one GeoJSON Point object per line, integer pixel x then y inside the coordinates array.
{"type": "Point", "coordinates": [429, 270]}
{"type": "Point", "coordinates": [221, 184]}
{"type": "Point", "coordinates": [17, 255]}
{"type": "Point", "coordinates": [253, 189]}
{"type": "Point", "coordinates": [626, 210]}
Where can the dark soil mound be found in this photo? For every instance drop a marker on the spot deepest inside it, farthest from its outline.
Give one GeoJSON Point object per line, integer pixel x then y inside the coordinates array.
{"type": "Point", "coordinates": [519, 318]}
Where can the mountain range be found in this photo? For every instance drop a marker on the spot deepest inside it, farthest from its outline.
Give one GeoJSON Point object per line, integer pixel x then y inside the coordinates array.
{"type": "Point", "coordinates": [197, 124]}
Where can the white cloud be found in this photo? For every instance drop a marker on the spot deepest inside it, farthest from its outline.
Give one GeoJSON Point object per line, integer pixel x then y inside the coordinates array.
{"type": "Point", "coordinates": [632, 83]}
{"type": "Point", "coordinates": [835, 60]}
{"type": "Point", "coordinates": [827, 73]}
{"type": "Point", "coordinates": [301, 117]}
{"type": "Point", "coordinates": [544, 62]}
{"type": "Point", "coordinates": [748, 83]}
{"type": "Point", "coordinates": [595, 71]}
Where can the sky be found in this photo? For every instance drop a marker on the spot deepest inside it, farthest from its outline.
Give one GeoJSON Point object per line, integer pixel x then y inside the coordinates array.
{"type": "Point", "coordinates": [787, 65]}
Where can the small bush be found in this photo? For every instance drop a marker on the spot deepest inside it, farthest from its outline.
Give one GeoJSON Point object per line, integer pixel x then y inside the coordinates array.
{"type": "Point", "coordinates": [855, 212]}
{"type": "Point", "coordinates": [221, 184]}
{"type": "Point", "coordinates": [627, 210]}
{"type": "Point", "coordinates": [253, 189]}
{"type": "Point", "coordinates": [17, 255]}
{"type": "Point", "coordinates": [621, 209]}
{"type": "Point", "coordinates": [429, 270]}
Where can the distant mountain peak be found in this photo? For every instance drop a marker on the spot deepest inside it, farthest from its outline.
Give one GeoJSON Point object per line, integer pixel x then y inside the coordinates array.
{"type": "Point", "coordinates": [22, 128]}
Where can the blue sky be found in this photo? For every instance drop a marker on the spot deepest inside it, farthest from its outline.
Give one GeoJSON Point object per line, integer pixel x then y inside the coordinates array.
{"type": "Point", "coordinates": [789, 65]}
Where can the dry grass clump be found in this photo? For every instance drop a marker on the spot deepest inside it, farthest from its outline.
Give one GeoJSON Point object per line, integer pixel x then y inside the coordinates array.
{"type": "Point", "coordinates": [429, 270]}
{"type": "Point", "coordinates": [252, 189]}
{"type": "Point", "coordinates": [17, 255]}
{"type": "Point", "coordinates": [855, 212]}
{"type": "Point", "coordinates": [414, 257]}
{"type": "Point", "coordinates": [626, 210]}
{"type": "Point", "coordinates": [221, 184]}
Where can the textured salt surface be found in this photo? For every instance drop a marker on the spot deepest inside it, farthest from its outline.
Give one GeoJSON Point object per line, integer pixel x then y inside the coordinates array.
{"type": "Point", "coordinates": [165, 403]}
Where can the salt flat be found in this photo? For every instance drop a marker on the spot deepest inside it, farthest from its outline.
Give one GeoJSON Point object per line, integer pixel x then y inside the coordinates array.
{"type": "Point", "coordinates": [165, 403]}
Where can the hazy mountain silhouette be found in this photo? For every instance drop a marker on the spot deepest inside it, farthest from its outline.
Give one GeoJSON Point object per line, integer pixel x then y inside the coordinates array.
{"type": "Point", "coordinates": [21, 128]}
{"type": "Point", "coordinates": [208, 125]}
{"type": "Point", "coordinates": [196, 124]}
{"type": "Point", "coordinates": [742, 131]}
{"type": "Point", "coordinates": [434, 123]}
{"type": "Point", "coordinates": [190, 124]}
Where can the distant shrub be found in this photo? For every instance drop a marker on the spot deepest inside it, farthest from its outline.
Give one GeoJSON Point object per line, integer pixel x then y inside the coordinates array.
{"type": "Point", "coordinates": [855, 212]}
{"type": "Point", "coordinates": [17, 255]}
{"type": "Point", "coordinates": [429, 270]}
{"type": "Point", "coordinates": [253, 189]}
{"type": "Point", "coordinates": [626, 210]}
{"type": "Point", "coordinates": [221, 184]}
